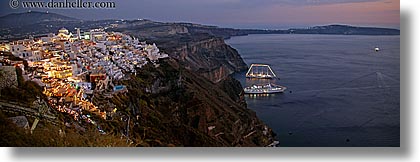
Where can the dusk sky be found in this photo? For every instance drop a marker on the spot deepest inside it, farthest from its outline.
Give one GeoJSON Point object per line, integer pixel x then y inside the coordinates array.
{"type": "Point", "coordinates": [269, 14]}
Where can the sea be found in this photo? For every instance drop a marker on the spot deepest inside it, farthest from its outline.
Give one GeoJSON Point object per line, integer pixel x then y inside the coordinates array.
{"type": "Point", "coordinates": [340, 91]}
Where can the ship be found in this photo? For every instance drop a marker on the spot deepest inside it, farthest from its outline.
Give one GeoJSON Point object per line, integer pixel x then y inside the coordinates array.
{"type": "Point", "coordinates": [264, 89]}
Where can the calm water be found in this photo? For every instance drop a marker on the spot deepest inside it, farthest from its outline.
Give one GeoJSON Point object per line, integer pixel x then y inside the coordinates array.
{"type": "Point", "coordinates": [340, 91]}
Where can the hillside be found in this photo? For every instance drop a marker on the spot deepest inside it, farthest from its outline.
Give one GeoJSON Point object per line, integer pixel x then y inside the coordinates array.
{"type": "Point", "coordinates": [184, 109]}
{"type": "Point", "coordinates": [20, 25]}
{"type": "Point", "coordinates": [168, 106]}
{"type": "Point", "coordinates": [33, 17]}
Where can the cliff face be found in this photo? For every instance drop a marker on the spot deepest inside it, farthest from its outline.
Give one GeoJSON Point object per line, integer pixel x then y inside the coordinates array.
{"type": "Point", "coordinates": [193, 100]}
{"type": "Point", "coordinates": [149, 29]}
{"type": "Point", "coordinates": [186, 109]}
{"type": "Point", "coordinates": [200, 52]}
{"type": "Point", "coordinates": [211, 58]}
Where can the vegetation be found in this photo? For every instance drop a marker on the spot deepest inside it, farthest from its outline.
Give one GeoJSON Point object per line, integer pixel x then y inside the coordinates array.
{"type": "Point", "coordinates": [47, 135]}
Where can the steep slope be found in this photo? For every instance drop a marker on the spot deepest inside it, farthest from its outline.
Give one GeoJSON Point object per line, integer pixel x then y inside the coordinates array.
{"type": "Point", "coordinates": [202, 53]}
{"type": "Point", "coordinates": [173, 106]}
{"type": "Point", "coordinates": [167, 105]}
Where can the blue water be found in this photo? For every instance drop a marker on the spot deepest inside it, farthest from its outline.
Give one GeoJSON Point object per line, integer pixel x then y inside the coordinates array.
{"type": "Point", "coordinates": [340, 91]}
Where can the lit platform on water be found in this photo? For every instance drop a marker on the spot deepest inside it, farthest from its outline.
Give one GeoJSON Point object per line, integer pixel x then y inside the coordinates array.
{"type": "Point", "coordinates": [260, 71]}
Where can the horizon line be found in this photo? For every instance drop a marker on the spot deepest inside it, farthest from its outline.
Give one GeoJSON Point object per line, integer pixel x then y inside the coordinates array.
{"type": "Point", "coordinates": [214, 25]}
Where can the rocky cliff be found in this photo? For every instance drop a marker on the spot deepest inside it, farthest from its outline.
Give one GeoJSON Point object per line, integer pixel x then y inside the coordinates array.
{"type": "Point", "coordinates": [200, 52]}
{"type": "Point", "coordinates": [193, 100]}
{"type": "Point", "coordinates": [172, 105]}
{"type": "Point", "coordinates": [211, 58]}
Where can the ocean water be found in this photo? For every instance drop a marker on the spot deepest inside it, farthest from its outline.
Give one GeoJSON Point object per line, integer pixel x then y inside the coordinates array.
{"type": "Point", "coordinates": [340, 91]}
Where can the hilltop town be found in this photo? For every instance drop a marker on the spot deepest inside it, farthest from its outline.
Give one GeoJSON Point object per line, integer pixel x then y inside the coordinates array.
{"type": "Point", "coordinates": [73, 69]}
{"type": "Point", "coordinates": [101, 84]}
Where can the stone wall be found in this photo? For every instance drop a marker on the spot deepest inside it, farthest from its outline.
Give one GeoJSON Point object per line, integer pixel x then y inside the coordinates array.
{"type": "Point", "coordinates": [8, 77]}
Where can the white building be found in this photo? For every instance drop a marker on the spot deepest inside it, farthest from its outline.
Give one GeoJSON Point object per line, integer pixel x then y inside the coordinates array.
{"type": "Point", "coordinates": [20, 50]}
{"type": "Point", "coordinates": [97, 35]}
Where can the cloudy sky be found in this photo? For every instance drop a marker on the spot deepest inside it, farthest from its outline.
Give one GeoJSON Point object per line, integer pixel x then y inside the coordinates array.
{"type": "Point", "coordinates": [244, 13]}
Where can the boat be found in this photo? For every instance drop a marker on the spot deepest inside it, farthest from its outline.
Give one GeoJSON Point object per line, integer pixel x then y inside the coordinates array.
{"type": "Point", "coordinates": [377, 49]}
{"type": "Point", "coordinates": [264, 89]}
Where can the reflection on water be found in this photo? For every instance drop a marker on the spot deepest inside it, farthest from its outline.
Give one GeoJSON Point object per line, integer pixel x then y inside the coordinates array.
{"type": "Point", "coordinates": [260, 95]}
{"type": "Point", "coordinates": [256, 81]}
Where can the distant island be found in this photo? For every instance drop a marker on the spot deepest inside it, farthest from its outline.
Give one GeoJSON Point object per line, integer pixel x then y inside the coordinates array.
{"type": "Point", "coordinates": [18, 25]}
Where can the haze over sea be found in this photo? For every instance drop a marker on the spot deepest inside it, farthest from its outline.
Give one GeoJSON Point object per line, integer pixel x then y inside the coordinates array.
{"type": "Point", "coordinates": [340, 91]}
